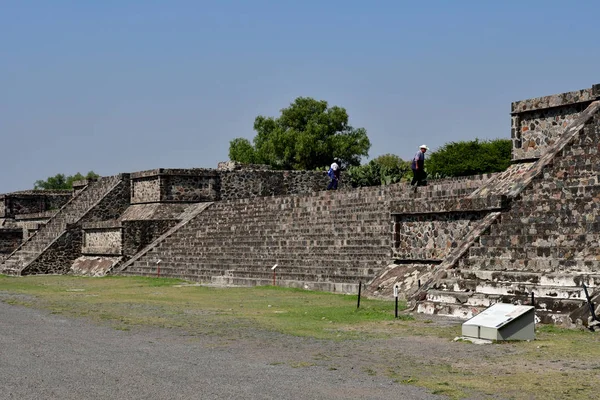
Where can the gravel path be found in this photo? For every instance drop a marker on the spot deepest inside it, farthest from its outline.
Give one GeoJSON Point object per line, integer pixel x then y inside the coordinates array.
{"type": "Point", "coordinates": [44, 356]}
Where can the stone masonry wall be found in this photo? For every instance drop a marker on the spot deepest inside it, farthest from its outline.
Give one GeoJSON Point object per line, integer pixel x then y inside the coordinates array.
{"type": "Point", "coordinates": [323, 238]}
{"type": "Point", "coordinates": [102, 238]}
{"type": "Point", "coordinates": [59, 257]}
{"type": "Point", "coordinates": [240, 184]}
{"type": "Point", "coordinates": [145, 190]}
{"type": "Point", "coordinates": [139, 234]}
{"type": "Point", "coordinates": [10, 239]}
{"type": "Point", "coordinates": [34, 201]}
{"type": "Point", "coordinates": [114, 199]}
{"type": "Point", "coordinates": [113, 204]}
{"type": "Point", "coordinates": [105, 241]}
{"type": "Point", "coordinates": [536, 123]}
{"type": "Point", "coordinates": [175, 185]}
{"type": "Point", "coordinates": [430, 236]}
{"type": "Point", "coordinates": [230, 181]}
{"type": "Point", "coordinates": [181, 188]}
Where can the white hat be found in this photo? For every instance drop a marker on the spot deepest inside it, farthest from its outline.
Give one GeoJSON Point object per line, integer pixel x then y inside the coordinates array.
{"type": "Point", "coordinates": [424, 147]}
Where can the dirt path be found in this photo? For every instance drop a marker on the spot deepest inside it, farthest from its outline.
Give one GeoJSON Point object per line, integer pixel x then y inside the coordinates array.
{"type": "Point", "coordinates": [52, 357]}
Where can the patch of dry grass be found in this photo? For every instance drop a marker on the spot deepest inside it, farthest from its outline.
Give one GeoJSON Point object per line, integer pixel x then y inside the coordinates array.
{"type": "Point", "coordinates": [559, 364]}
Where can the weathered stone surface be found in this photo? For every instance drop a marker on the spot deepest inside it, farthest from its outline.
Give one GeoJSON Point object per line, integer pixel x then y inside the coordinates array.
{"type": "Point", "coordinates": [536, 123]}
{"type": "Point", "coordinates": [32, 201]}
{"type": "Point", "coordinates": [94, 265]}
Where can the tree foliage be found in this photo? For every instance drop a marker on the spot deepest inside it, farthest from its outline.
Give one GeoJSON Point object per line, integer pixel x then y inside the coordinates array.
{"type": "Point", "coordinates": [383, 170]}
{"type": "Point", "coordinates": [469, 158]}
{"type": "Point", "coordinates": [307, 136]}
{"type": "Point", "coordinates": [61, 181]}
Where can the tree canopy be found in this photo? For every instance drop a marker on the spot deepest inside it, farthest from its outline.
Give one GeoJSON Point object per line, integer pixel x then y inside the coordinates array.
{"type": "Point", "coordinates": [307, 136]}
{"type": "Point", "coordinates": [383, 170]}
{"type": "Point", "coordinates": [60, 181]}
{"type": "Point", "coordinates": [469, 158]}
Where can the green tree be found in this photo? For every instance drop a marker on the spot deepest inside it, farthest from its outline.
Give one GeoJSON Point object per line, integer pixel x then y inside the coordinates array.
{"type": "Point", "coordinates": [469, 158]}
{"type": "Point", "coordinates": [383, 170]}
{"type": "Point", "coordinates": [307, 136]}
{"type": "Point", "coordinates": [60, 181]}
{"type": "Point", "coordinates": [241, 150]}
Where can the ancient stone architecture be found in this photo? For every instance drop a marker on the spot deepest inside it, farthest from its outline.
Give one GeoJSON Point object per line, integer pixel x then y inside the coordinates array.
{"type": "Point", "coordinates": [526, 235]}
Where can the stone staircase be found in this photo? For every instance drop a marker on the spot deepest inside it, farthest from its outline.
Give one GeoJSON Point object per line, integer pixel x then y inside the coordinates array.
{"type": "Point", "coordinates": [49, 233]}
{"type": "Point", "coordinates": [543, 246]}
{"type": "Point", "coordinates": [237, 242]}
{"type": "Point", "coordinates": [326, 240]}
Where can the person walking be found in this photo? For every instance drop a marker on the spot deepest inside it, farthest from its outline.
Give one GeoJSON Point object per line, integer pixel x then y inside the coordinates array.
{"type": "Point", "coordinates": [334, 174]}
{"type": "Point", "coordinates": [418, 168]}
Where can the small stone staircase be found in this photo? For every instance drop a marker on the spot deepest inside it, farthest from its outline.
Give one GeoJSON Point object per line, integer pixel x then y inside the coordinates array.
{"type": "Point", "coordinates": [543, 246]}
{"type": "Point", "coordinates": [70, 213]}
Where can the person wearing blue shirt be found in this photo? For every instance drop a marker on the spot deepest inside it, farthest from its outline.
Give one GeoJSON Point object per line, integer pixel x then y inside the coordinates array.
{"type": "Point", "coordinates": [334, 174]}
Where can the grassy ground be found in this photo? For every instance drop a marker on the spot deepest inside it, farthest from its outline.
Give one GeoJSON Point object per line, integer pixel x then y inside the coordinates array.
{"type": "Point", "coordinates": [418, 351]}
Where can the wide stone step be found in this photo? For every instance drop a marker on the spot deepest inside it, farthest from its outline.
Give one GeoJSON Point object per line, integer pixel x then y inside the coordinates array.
{"type": "Point", "coordinates": [470, 299]}
{"type": "Point", "coordinates": [235, 277]}
{"type": "Point", "coordinates": [466, 312]}
{"type": "Point", "coordinates": [548, 217]}
{"type": "Point", "coordinates": [539, 240]}
{"type": "Point", "coordinates": [200, 255]}
{"type": "Point", "coordinates": [511, 289]}
{"type": "Point", "coordinates": [454, 310]}
{"type": "Point", "coordinates": [245, 269]}
{"type": "Point", "coordinates": [518, 228]}
{"type": "Point", "coordinates": [533, 265]}
{"type": "Point", "coordinates": [590, 251]}
{"type": "Point", "coordinates": [548, 279]}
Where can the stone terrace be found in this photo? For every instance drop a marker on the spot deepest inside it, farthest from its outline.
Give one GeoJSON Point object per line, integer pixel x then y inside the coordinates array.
{"type": "Point", "coordinates": [325, 240]}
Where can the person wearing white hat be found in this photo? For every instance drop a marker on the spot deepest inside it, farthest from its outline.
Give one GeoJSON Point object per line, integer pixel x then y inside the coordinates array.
{"type": "Point", "coordinates": [334, 174]}
{"type": "Point", "coordinates": [418, 168]}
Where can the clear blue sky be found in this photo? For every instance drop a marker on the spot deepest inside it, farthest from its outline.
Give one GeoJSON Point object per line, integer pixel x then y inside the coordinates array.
{"type": "Point", "coordinates": [122, 86]}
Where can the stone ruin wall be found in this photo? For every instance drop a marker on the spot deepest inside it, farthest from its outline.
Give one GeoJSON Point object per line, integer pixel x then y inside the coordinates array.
{"type": "Point", "coordinates": [115, 195]}
{"type": "Point", "coordinates": [430, 236]}
{"type": "Point", "coordinates": [246, 184]}
{"type": "Point", "coordinates": [425, 236]}
{"type": "Point", "coordinates": [102, 238]}
{"type": "Point", "coordinates": [229, 182]}
{"type": "Point", "coordinates": [22, 213]}
{"type": "Point", "coordinates": [32, 202]}
{"type": "Point", "coordinates": [322, 240]}
{"type": "Point", "coordinates": [145, 189]}
{"type": "Point", "coordinates": [10, 239]}
{"type": "Point", "coordinates": [139, 234]}
{"type": "Point", "coordinates": [537, 123]}
{"type": "Point", "coordinates": [175, 185]}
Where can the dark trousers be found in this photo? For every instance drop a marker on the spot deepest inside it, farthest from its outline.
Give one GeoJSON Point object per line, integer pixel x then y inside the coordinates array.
{"type": "Point", "coordinates": [419, 177]}
{"type": "Point", "coordinates": [333, 184]}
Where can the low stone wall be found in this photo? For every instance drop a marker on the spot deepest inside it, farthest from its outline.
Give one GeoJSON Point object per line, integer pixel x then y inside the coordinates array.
{"type": "Point", "coordinates": [33, 201]}
{"type": "Point", "coordinates": [175, 185]}
{"type": "Point", "coordinates": [230, 181]}
{"type": "Point", "coordinates": [242, 184]}
{"type": "Point", "coordinates": [426, 237]}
